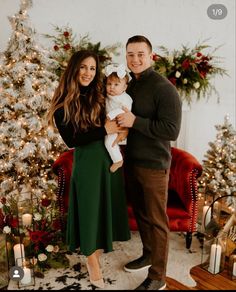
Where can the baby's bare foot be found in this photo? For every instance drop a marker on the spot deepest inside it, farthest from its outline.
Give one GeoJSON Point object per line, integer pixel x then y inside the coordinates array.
{"type": "Point", "coordinates": [116, 165]}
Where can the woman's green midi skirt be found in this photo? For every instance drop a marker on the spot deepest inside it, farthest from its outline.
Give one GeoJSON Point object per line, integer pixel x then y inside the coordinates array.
{"type": "Point", "coordinates": [97, 213]}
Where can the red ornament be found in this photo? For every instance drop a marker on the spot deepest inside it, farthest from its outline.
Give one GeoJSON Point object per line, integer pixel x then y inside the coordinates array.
{"type": "Point", "coordinates": [66, 34]}
{"type": "Point", "coordinates": [56, 48]}
{"type": "Point", "coordinates": [66, 47]}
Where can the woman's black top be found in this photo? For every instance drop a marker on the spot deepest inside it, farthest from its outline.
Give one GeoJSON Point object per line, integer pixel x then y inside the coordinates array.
{"type": "Point", "coordinates": [74, 138]}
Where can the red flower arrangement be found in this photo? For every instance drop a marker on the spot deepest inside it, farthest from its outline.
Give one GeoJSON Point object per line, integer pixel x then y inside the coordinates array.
{"type": "Point", "coordinates": [190, 70]}
{"type": "Point", "coordinates": [65, 43]}
{"type": "Point", "coordinates": [42, 239]}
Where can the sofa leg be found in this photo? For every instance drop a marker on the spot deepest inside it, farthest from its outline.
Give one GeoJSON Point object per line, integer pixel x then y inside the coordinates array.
{"type": "Point", "coordinates": [188, 240]}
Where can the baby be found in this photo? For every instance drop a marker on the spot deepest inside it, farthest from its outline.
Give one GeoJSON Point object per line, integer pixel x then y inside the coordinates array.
{"type": "Point", "coordinates": [116, 97]}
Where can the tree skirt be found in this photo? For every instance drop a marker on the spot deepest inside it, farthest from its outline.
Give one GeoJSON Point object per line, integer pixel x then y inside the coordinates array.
{"type": "Point", "coordinates": [180, 261]}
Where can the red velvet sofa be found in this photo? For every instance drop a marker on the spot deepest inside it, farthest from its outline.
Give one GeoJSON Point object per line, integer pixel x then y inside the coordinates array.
{"type": "Point", "coordinates": [182, 207]}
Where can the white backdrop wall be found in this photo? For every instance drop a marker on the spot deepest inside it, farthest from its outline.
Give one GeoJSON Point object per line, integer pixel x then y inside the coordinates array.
{"type": "Point", "coordinates": [170, 23]}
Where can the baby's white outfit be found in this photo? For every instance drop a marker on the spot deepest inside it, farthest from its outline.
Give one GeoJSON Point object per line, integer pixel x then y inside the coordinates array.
{"type": "Point", "coordinates": [114, 106]}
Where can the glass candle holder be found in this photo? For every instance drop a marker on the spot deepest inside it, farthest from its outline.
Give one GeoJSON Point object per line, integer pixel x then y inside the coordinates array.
{"type": "Point", "coordinates": [19, 254]}
{"type": "Point", "coordinates": [217, 206]}
{"type": "Point", "coordinates": [213, 255]}
{"type": "Point", "coordinates": [206, 217]}
{"type": "Point", "coordinates": [29, 275]}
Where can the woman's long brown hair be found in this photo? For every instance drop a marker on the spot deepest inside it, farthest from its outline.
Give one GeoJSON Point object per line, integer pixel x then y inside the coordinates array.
{"type": "Point", "coordinates": [83, 111]}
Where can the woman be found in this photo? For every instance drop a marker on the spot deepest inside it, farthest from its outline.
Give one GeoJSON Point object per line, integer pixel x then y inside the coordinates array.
{"type": "Point", "coordinates": [97, 213]}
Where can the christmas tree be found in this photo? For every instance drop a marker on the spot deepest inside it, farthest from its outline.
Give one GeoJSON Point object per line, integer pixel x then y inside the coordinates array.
{"type": "Point", "coordinates": [27, 82]}
{"type": "Point", "coordinates": [219, 169]}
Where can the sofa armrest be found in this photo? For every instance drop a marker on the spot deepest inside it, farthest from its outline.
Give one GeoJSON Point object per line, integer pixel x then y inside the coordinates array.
{"type": "Point", "coordinates": [65, 161]}
{"type": "Point", "coordinates": [185, 169]}
{"type": "Point", "coordinates": [62, 167]}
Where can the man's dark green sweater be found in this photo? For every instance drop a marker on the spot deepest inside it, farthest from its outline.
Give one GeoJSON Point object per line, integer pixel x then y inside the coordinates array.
{"type": "Point", "coordinates": [157, 107]}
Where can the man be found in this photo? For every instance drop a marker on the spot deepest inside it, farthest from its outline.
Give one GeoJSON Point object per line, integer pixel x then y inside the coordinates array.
{"type": "Point", "coordinates": [154, 122]}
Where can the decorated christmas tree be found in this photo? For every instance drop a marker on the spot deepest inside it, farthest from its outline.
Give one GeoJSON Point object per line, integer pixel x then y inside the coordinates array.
{"type": "Point", "coordinates": [219, 168]}
{"type": "Point", "coordinates": [27, 82]}
{"type": "Point", "coordinates": [29, 147]}
{"type": "Point", "coordinates": [218, 189]}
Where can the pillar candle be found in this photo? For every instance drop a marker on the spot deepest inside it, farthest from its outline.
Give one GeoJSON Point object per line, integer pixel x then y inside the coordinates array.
{"type": "Point", "coordinates": [234, 269]}
{"type": "Point", "coordinates": [215, 257]}
{"type": "Point", "coordinates": [26, 219]}
{"type": "Point", "coordinates": [206, 217]}
{"type": "Point", "coordinates": [27, 276]}
{"type": "Point", "coordinates": [19, 253]}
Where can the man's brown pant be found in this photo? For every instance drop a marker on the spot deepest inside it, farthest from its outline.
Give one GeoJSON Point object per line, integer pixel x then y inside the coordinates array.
{"type": "Point", "coordinates": [147, 191]}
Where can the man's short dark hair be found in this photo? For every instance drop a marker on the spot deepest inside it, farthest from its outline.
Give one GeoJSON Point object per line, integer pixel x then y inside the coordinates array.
{"type": "Point", "coordinates": [139, 39]}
